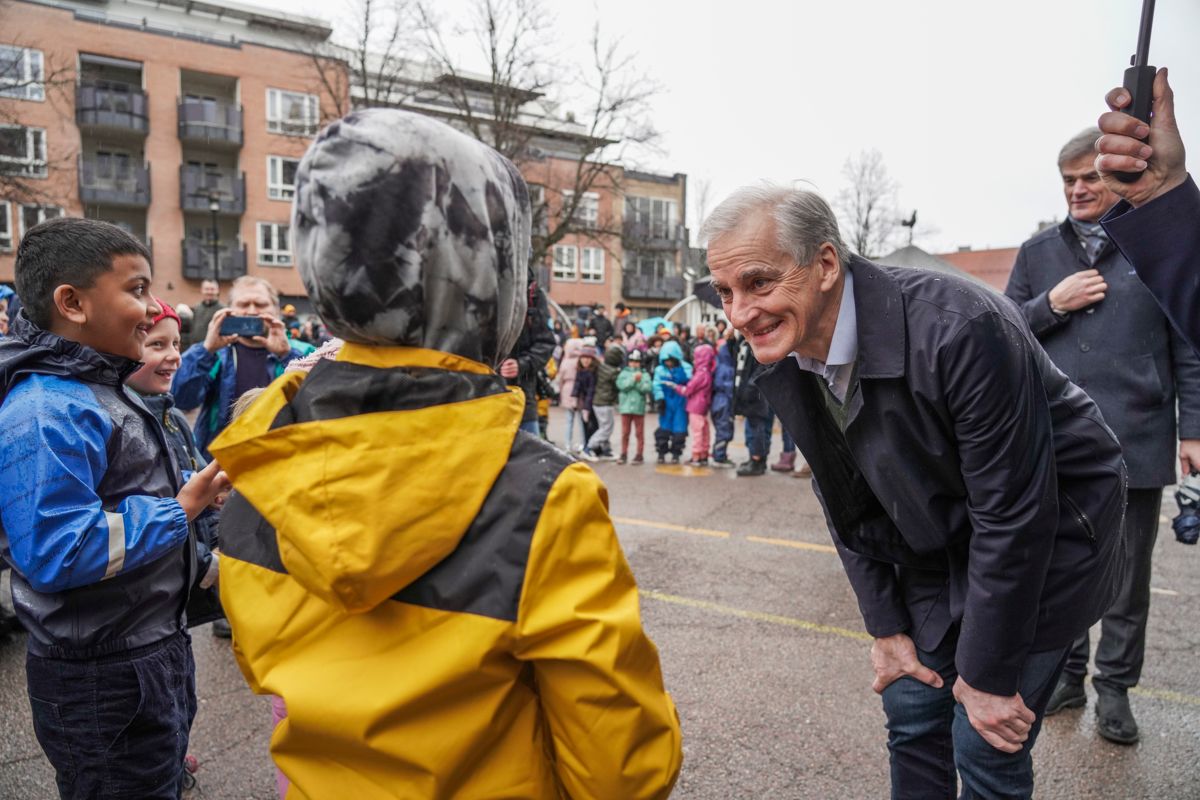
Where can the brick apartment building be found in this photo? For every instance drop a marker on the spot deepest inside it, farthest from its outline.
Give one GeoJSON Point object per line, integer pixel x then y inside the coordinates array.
{"type": "Point", "coordinates": [182, 122]}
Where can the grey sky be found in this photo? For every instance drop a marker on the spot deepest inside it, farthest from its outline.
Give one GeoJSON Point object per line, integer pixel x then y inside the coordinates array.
{"type": "Point", "coordinates": [968, 101]}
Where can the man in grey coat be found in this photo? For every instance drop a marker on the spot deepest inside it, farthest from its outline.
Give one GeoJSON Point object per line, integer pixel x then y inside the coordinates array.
{"type": "Point", "coordinates": [1102, 327]}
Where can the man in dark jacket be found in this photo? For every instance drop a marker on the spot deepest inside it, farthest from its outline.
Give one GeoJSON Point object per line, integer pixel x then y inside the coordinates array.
{"type": "Point", "coordinates": [1157, 224]}
{"type": "Point", "coordinates": [974, 493]}
{"type": "Point", "coordinates": [529, 357]}
{"type": "Point", "coordinates": [203, 312]}
{"type": "Point", "coordinates": [1101, 326]}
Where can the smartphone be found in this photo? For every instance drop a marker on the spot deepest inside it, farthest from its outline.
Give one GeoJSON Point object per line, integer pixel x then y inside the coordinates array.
{"type": "Point", "coordinates": [243, 326]}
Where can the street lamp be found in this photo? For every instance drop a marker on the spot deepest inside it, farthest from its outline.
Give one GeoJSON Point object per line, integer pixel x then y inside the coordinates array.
{"type": "Point", "coordinates": [214, 206]}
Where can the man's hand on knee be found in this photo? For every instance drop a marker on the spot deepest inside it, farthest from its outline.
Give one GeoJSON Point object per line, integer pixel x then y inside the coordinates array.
{"type": "Point", "coordinates": [1003, 722]}
{"type": "Point", "coordinates": [894, 657]}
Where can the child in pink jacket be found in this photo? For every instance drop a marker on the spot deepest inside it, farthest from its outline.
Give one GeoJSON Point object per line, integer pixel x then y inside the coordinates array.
{"type": "Point", "coordinates": [699, 399]}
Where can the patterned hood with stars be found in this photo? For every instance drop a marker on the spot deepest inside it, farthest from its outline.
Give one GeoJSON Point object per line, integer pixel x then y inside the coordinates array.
{"type": "Point", "coordinates": [410, 233]}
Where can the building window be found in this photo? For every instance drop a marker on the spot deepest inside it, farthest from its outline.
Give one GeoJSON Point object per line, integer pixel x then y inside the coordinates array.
{"type": "Point", "coordinates": [565, 263]}
{"type": "Point", "coordinates": [653, 217]}
{"type": "Point", "coordinates": [23, 151]}
{"type": "Point", "coordinates": [32, 215]}
{"type": "Point", "coordinates": [274, 244]}
{"type": "Point", "coordinates": [291, 113]}
{"type": "Point", "coordinates": [591, 268]}
{"type": "Point", "coordinates": [587, 213]}
{"type": "Point", "coordinates": [22, 73]}
{"type": "Point", "coordinates": [651, 265]}
{"type": "Point", "coordinates": [281, 177]}
{"type": "Point", "coordinates": [6, 237]}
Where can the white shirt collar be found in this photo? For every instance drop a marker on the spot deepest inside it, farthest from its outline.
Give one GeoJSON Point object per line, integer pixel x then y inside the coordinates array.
{"type": "Point", "coordinates": [843, 347]}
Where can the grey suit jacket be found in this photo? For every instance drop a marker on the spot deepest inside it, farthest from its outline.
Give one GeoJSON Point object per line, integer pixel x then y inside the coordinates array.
{"type": "Point", "coordinates": [1122, 351]}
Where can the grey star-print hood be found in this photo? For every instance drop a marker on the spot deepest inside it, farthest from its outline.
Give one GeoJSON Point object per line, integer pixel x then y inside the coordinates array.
{"type": "Point", "coordinates": [407, 232]}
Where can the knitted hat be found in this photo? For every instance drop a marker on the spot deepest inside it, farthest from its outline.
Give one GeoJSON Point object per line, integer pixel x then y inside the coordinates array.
{"type": "Point", "coordinates": [635, 355]}
{"type": "Point", "coordinates": [166, 313]}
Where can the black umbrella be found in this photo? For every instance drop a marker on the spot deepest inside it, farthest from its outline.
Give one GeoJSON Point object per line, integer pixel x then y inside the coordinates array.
{"type": "Point", "coordinates": [703, 289]}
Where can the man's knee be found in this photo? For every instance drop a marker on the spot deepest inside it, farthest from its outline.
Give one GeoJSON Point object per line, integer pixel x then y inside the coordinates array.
{"type": "Point", "coordinates": [915, 710]}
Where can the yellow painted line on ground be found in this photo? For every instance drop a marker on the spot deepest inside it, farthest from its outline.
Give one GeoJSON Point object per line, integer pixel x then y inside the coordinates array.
{"type": "Point", "coordinates": [1165, 695]}
{"type": "Point", "coordinates": [819, 548]}
{"type": "Point", "coordinates": [667, 526]}
{"type": "Point", "coordinates": [758, 616]}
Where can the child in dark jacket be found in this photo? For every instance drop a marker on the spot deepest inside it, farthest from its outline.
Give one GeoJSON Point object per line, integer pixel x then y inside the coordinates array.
{"type": "Point", "coordinates": [94, 515]}
{"type": "Point", "coordinates": [722, 402]}
{"type": "Point", "coordinates": [604, 403]}
{"type": "Point", "coordinates": [699, 399]}
{"type": "Point", "coordinates": [670, 376]}
{"type": "Point", "coordinates": [583, 391]}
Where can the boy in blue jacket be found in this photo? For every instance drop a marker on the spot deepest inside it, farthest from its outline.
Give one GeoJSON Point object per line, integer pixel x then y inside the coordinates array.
{"type": "Point", "coordinates": [95, 521]}
{"type": "Point", "coordinates": [670, 376]}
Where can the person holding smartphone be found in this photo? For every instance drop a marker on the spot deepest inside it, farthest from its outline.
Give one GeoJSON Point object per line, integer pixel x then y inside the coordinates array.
{"type": "Point", "coordinates": [245, 347]}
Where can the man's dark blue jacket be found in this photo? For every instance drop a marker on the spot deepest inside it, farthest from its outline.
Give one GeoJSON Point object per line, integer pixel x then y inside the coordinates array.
{"type": "Point", "coordinates": [974, 484]}
{"type": "Point", "coordinates": [1162, 241]}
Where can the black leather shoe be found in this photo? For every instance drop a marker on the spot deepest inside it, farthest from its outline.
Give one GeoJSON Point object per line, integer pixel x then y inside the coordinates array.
{"type": "Point", "coordinates": [1114, 718]}
{"type": "Point", "coordinates": [1067, 694]}
{"type": "Point", "coordinates": [221, 629]}
{"type": "Point", "coordinates": [752, 469]}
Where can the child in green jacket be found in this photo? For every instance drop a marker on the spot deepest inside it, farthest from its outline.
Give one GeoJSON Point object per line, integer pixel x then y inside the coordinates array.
{"type": "Point", "coordinates": [634, 385]}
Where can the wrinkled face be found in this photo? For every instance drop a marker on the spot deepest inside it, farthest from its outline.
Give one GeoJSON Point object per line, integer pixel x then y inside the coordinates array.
{"type": "Point", "coordinates": [210, 291]}
{"type": "Point", "coordinates": [252, 300]}
{"type": "Point", "coordinates": [118, 309]}
{"type": "Point", "coordinates": [774, 302]}
{"type": "Point", "coordinates": [1088, 199]}
{"type": "Point", "coordinates": [160, 359]}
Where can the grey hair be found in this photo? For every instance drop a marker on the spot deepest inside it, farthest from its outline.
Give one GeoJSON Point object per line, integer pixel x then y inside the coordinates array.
{"type": "Point", "coordinates": [1081, 144]}
{"type": "Point", "coordinates": [804, 220]}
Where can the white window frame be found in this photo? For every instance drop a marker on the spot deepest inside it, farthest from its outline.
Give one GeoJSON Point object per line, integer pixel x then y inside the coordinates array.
{"type": "Point", "coordinates": [276, 188]}
{"type": "Point", "coordinates": [41, 215]}
{"type": "Point", "coordinates": [6, 229]}
{"type": "Point", "coordinates": [274, 256]}
{"type": "Point", "coordinates": [35, 143]}
{"type": "Point", "coordinates": [587, 213]}
{"type": "Point", "coordinates": [591, 265]}
{"type": "Point", "coordinates": [276, 123]}
{"type": "Point", "coordinates": [30, 84]}
{"type": "Point", "coordinates": [566, 269]}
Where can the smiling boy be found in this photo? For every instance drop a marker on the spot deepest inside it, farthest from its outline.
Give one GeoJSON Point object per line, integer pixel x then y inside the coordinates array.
{"type": "Point", "coordinates": [95, 520]}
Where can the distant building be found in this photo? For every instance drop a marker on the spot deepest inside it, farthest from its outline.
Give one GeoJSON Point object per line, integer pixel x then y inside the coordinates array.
{"type": "Point", "coordinates": [913, 256]}
{"type": "Point", "coordinates": [991, 266]}
{"type": "Point", "coordinates": [181, 122]}
{"type": "Point", "coordinates": [655, 242]}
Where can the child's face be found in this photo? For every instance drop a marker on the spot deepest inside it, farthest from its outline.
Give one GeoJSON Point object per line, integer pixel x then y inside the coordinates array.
{"type": "Point", "coordinates": [160, 359]}
{"type": "Point", "coordinates": [4, 317]}
{"type": "Point", "coordinates": [585, 362]}
{"type": "Point", "coordinates": [115, 315]}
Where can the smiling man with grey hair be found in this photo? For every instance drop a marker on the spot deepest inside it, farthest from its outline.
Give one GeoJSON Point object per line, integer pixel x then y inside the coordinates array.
{"type": "Point", "coordinates": [973, 492]}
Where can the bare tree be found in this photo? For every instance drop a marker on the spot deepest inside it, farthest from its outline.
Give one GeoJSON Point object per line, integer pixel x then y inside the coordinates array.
{"type": "Point", "coordinates": [868, 204]}
{"type": "Point", "coordinates": [372, 68]}
{"type": "Point", "coordinates": [512, 107]}
{"type": "Point", "coordinates": [52, 82]}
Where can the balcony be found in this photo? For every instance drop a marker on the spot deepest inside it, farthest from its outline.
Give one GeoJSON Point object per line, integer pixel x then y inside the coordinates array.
{"type": "Point", "coordinates": [111, 107]}
{"type": "Point", "coordinates": [647, 287]}
{"type": "Point", "coordinates": [198, 260]}
{"type": "Point", "coordinates": [654, 235]}
{"type": "Point", "coordinates": [111, 184]}
{"type": "Point", "coordinates": [199, 185]}
{"type": "Point", "coordinates": [211, 123]}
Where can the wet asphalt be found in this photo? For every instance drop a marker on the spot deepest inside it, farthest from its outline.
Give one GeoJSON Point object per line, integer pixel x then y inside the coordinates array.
{"type": "Point", "coordinates": [763, 650]}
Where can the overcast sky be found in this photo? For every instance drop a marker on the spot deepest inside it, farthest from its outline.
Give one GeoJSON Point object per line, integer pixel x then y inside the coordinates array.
{"type": "Point", "coordinates": [968, 101]}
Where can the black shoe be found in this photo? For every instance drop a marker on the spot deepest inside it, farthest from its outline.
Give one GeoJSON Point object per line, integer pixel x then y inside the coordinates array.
{"type": "Point", "coordinates": [221, 629]}
{"type": "Point", "coordinates": [752, 468]}
{"type": "Point", "coordinates": [674, 459]}
{"type": "Point", "coordinates": [662, 458]}
{"type": "Point", "coordinates": [723, 463]}
{"type": "Point", "coordinates": [1067, 694]}
{"type": "Point", "coordinates": [1114, 718]}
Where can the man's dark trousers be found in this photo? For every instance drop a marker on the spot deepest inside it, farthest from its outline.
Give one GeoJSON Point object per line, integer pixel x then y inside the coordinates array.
{"type": "Point", "coordinates": [1122, 647]}
{"type": "Point", "coordinates": [930, 737]}
{"type": "Point", "coordinates": [117, 726]}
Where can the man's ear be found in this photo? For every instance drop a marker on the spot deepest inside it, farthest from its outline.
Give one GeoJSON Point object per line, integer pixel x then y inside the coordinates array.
{"type": "Point", "coordinates": [68, 302]}
{"type": "Point", "coordinates": [830, 265]}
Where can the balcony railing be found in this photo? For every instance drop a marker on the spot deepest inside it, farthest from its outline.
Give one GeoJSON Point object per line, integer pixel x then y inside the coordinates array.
{"type": "Point", "coordinates": [111, 106]}
{"type": "Point", "coordinates": [649, 287]}
{"type": "Point", "coordinates": [198, 260]}
{"type": "Point", "coordinates": [655, 234]}
{"type": "Point", "coordinates": [213, 123]}
{"type": "Point", "coordinates": [198, 186]}
{"type": "Point", "coordinates": [113, 184]}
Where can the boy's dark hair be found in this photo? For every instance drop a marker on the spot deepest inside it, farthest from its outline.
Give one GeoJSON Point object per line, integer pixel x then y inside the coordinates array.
{"type": "Point", "coordinates": [66, 250]}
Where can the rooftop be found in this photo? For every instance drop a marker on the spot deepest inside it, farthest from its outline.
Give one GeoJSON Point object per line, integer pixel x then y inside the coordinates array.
{"type": "Point", "coordinates": [991, 266]}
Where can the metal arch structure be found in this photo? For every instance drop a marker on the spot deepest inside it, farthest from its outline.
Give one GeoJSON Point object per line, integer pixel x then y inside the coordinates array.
{"type": "Point", "coordinates": [682, 304]}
